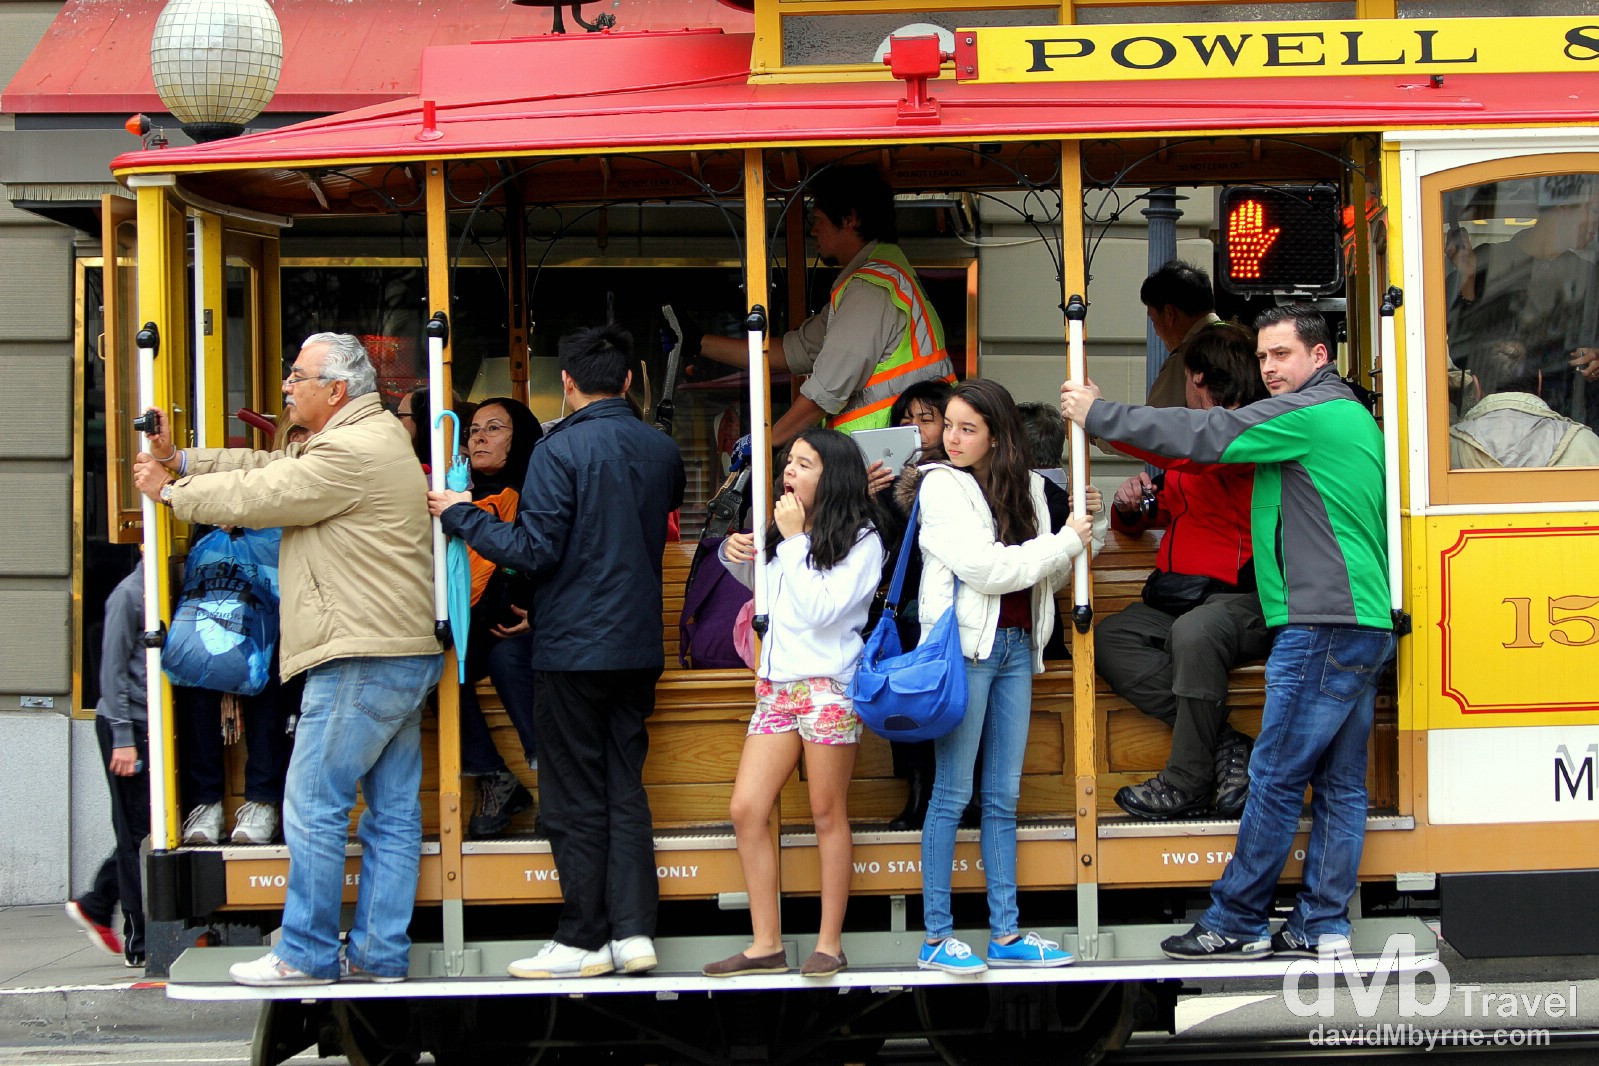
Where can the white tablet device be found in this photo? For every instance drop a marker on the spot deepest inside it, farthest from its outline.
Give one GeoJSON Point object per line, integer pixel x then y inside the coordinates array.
{"type": "Point", "coordinates": [894, 445]}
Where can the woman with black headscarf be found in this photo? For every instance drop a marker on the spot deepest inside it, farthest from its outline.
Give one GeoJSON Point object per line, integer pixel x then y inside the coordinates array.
{"type": "Point", "coordinates": [499, 443]}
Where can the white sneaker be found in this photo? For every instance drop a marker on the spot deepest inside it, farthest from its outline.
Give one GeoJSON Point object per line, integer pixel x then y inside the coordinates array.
{"type": "Point", "coordinates": [203, 825]}
{"type": "Point", "coordinates": [634, 954]}
{"type": "Point", "coordinates": [269, 971]}
{"type": "Point", "coordinates": [349, 971]}
{"type": "Point", "coordinates": [561, 960]}
{"type": "Point", "coordinates": [255, 823]}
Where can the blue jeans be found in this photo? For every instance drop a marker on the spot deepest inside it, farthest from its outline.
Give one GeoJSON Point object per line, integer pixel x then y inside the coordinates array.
{"type": "Point", "coordinates": [360, 723]}
{"type": "Point", "coordinates": [1321, 685]}
{"type": "Point", "coordinates": [998, 710]}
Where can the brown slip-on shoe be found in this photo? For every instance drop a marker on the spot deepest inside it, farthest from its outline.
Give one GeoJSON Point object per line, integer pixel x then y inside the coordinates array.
{"type": "Point", "coordinates": [741, 964]}
{"type": "Point", "coordinates": [823, 965]}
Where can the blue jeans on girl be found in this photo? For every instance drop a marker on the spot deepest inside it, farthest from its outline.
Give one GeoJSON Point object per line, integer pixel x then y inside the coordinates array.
{"type": "Point", "coordinates": [998, 710]}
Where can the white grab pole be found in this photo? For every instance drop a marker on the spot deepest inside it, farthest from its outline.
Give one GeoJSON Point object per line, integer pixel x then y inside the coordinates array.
{"type": "Point", "coordinates": [437, 333]}
{"type": "Point", "coordinates": [760, 452]}
{"type": "Point", "coordinates": [1388, 355]}
{"type": "Point", "coordinates": [1077, 372]}
{"type": "Point", "coordinates": [161, 838]}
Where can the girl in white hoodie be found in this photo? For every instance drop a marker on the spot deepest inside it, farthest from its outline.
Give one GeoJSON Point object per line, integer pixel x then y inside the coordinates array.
{"type": "Point", "coordinates": [825, 559]}
{"type": "Point", "coordinates": [985, 522]}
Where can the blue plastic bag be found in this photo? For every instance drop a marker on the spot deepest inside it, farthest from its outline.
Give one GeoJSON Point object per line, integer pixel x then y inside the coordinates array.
{"type": "Point", "coordinates": [226, 624]}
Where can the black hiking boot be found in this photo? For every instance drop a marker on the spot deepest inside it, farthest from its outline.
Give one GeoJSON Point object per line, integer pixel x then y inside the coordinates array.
{"type": "Point", "coordinates": [1157, 801]}
{"type": "Point", "coordinates": [499, 796]}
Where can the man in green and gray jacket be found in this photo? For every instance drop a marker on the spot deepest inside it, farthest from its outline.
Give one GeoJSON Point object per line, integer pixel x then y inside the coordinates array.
{"type": "Point", "coordinates": [1321, 564]}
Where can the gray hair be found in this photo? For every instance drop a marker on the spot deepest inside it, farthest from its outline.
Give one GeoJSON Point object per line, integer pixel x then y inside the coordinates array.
{"type": "Point", "coordinates": [345, 360]}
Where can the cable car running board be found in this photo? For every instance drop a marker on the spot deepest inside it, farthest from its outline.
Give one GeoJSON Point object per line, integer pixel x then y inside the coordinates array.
{"type": "Point", "coordinates": [201, 973]}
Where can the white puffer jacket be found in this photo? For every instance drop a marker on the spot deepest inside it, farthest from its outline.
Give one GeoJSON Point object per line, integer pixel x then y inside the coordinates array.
{"type": "Point", "coordinates": [958, 539]}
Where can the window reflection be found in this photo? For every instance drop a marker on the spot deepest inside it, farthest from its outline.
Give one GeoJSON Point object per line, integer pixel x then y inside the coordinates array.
{"type": "Point", "coordinates": [1523, 322]}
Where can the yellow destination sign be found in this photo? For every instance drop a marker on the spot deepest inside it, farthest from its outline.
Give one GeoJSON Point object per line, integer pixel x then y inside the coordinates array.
{"type": "Point", "coordinates": [1419, 47]}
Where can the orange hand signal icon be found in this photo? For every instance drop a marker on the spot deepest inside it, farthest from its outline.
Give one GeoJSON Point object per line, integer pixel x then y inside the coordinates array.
{"type": "Point", "coordinates": [1248, 240]}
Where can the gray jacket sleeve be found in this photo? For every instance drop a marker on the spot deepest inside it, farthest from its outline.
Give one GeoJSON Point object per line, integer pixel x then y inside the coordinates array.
{"type": "Point", "coordinates": [122, 672]}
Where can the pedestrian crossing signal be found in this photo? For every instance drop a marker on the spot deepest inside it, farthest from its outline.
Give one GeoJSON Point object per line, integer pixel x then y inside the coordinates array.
{"type": "Point", "coordinates": [1281, 239]}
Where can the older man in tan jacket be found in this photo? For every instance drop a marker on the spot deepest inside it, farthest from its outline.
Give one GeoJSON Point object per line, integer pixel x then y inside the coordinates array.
{"type": "Point", "coordinates": [356, 576]}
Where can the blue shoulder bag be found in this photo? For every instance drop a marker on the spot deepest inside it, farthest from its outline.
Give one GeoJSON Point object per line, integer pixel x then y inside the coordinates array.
{"type": "Point", "coordinates": [914, 695]}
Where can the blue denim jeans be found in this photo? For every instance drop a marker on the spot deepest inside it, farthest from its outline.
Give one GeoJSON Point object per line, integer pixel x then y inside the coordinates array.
{"type": "Point", "coordinates": [360, 723]}
{"type": "Point", "coordinates": [998, 710]}
{"type": "Point", "coordinates": [1321, 685]}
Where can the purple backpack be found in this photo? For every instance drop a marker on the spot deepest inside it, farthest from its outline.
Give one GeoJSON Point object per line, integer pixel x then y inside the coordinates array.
{"type": "Point", "coordinates": [711, 601]}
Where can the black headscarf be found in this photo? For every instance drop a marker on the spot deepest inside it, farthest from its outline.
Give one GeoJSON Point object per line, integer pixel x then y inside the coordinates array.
{"type": "Point", "coordinates": [525, 432]}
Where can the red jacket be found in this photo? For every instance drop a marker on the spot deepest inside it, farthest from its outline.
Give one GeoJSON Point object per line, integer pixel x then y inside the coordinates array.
{"type": "Point", "coordinates": [1204, 508]}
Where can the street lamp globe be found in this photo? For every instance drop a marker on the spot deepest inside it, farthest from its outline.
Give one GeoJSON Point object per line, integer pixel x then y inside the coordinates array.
{"type": "Point", "coordinates": [216, 63]}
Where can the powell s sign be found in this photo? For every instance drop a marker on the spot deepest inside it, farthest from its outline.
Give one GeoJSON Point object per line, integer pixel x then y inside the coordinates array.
{"type": "Point", "coordinates": [1418, 47]}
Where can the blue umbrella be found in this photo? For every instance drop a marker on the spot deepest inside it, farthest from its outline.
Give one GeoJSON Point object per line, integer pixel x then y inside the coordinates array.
{"type": "Point", "coordinates": [457, 566]}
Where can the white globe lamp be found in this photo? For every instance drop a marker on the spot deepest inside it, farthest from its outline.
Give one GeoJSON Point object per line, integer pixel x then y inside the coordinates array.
{"type": "Point", "coordinates": [216, 63]}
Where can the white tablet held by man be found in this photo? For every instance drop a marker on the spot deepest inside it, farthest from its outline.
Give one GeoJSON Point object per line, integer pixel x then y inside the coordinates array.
{"type": "Point", "coordinates": [894, 445]}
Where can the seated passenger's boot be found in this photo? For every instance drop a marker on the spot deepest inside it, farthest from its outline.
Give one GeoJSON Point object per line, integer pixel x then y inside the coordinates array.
{"type": "Point", "coordinates": [1232, 773]}
{"type": "Point", "coordinates": [918, 791]}
{"type": "Point", "coordinates": [499, 796]}
{"type": "Point", "coordinates": [1157, 800]}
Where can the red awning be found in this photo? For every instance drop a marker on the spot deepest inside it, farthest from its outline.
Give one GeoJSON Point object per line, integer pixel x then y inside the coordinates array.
{"type": "Point", "coordinates": [95, 58]}
{"type": "Point", "coordinates": [653, 90]}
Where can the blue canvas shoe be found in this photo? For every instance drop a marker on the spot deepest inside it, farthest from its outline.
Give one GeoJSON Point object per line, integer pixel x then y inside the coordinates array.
{"type": "Point", "coordinates": [951, 956]}
{"type": "Point", "coordinates": [1031, 952]}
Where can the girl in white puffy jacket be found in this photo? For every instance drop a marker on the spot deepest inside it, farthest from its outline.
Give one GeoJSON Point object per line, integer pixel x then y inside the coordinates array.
{"type": "Point", "coordinates": [985, 523]}
{"type": "Point", "coordinates": [825, 559]}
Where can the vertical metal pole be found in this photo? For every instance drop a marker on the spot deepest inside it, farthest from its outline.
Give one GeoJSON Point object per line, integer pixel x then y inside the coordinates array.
{"type": "Point", "coordinates": [1389, 362]}
{"type": "Point", "coordinates": [1162, 214]}
{"type": "Point", "coordinates": [1083, 769]}
{"type": "Point", "coordinates": [453, 881]}
{"type": "Point", "coordinates": [148, 341]}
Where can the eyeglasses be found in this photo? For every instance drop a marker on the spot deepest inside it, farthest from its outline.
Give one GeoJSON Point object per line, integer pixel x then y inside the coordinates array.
{"type": "Point", "coordinates": [295, 377]}
{"type": "Point", "coordinates": [488, 429]}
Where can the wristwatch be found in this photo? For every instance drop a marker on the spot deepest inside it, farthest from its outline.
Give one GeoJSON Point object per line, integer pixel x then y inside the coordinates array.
{"type": "Point", "coordinates": [166, 492]}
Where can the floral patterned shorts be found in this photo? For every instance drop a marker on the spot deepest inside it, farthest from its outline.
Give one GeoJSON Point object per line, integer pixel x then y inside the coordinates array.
{"type": "Point", "coordinates": [818, 707]}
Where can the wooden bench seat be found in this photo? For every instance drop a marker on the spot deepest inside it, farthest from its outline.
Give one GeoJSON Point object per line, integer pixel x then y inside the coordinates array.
{"type": "Point", "coordinates": [697, 731]}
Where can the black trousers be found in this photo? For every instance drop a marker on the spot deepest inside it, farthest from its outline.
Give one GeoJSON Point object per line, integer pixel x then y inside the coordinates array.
{"type": "Point", "coordinates": [119, 879]}
{"type": "Point", "coordinates": [1175, 669]}
{"type": "Point", "coordinates": [592, 744]}
{"type": "Point", "coordinates": [267, 741]}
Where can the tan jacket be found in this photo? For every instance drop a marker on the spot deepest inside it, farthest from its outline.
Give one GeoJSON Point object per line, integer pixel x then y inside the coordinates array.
{"type": "Point", "coordinates": [356, 566]}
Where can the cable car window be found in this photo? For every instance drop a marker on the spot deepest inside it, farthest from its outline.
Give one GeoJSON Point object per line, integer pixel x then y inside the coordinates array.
{"type": "Point", "coordinates": [1520, 268]}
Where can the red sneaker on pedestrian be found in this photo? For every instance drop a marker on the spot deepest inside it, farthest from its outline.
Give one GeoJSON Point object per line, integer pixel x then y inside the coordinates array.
{"type": "Point", "coordinates": [100, 935]}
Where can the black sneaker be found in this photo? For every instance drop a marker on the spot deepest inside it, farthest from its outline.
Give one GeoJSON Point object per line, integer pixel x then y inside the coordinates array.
{"type": "Point", "coordinates": [1202, 943]}
{"type": "Point", "coordinates": [499, 796]}
{"type": "Point", "coordinates": [1286, 942]}
{"type": "Point", "coordinates": [1232, 774]}
{"type": "Point", "coordinates": [1158, 801]}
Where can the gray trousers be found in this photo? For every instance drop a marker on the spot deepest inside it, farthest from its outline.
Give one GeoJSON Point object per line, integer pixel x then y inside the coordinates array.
{"type": "Point", "coordinates": [1175, 669]}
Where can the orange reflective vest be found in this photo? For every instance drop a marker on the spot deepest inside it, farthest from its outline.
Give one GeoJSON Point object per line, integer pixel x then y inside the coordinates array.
{"type": "Point", "coordinates": [920, 355]}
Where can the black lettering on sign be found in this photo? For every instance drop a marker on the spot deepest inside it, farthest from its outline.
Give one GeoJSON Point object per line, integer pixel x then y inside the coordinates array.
{"type": "Point", "coordinates": [1278, 43]}
{"type": "Point", "coordinates": [1042, 55]}
{"type": "Point", "coordinates": [1354, 60]}
{"type": "Point", "coordinates": [1582, 38]}
{"type": "Point", "coordinates": [1225, 45]}
{"type": "Point", "coordinates": [1426, 56]}
{"type": "Point", "coordinates": [1167, 50]}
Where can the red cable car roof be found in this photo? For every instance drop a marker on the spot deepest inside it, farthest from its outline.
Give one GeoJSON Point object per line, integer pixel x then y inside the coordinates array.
{"type": "Point", "coordinates": [690, 88]}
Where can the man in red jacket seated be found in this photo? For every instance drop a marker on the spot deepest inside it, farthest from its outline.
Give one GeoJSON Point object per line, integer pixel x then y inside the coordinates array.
{"type": "Point", "coordinates": [1169, 655]}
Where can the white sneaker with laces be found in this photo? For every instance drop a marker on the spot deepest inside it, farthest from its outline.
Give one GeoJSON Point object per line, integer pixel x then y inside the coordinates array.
{"type": "Point", "coordinates": [562, 960]}
{"type": "Point", "coordinates": [255, 823]}
{"type": "Point", "coordinates": [634, 954]}
{"type": "Point", "coordinates": [269, 971]}
{"type": "Point", "coordinates": [349, 971]}
{"type": "Point", "coordinates": [203, 825]}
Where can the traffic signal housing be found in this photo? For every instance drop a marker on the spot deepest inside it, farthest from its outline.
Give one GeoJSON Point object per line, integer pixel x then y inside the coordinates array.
{"type": "Point", "coordinates": [1281, 239]}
